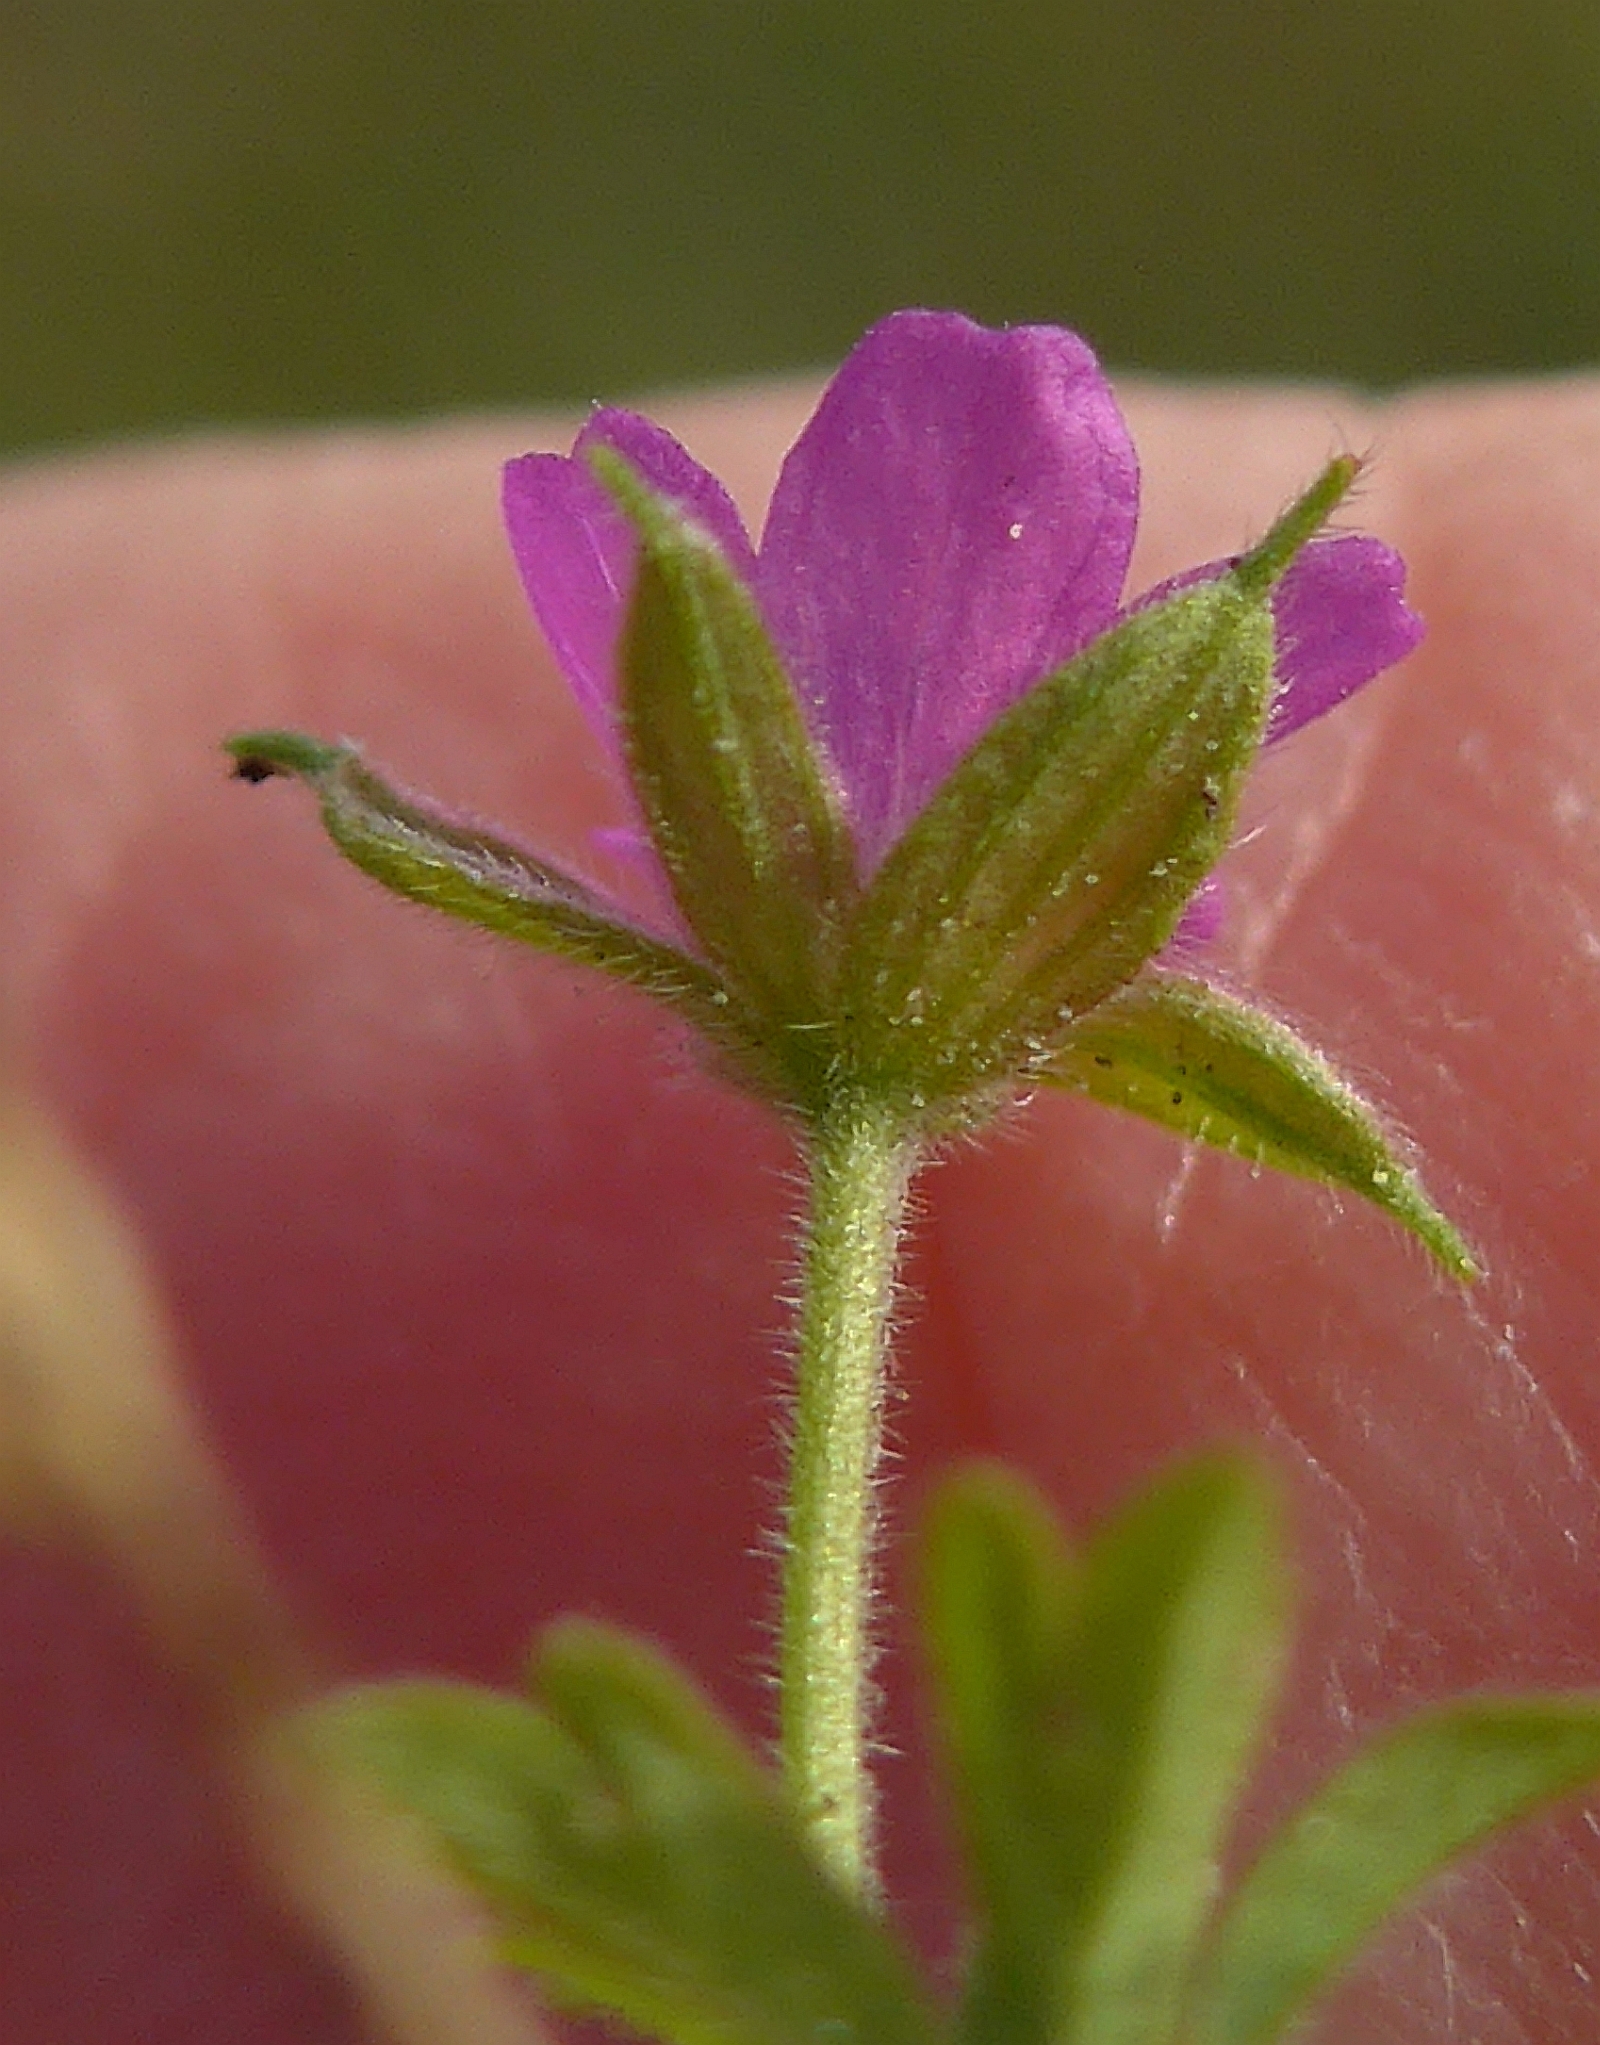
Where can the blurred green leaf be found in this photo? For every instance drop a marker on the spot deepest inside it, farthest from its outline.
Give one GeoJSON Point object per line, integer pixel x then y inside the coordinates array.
{"type": "Point", "coordinates": [1215, 1070]}
{"type": "Point", "coordinates": [1099, 1720]}
{"type": "Point", "coordinates": [634, 1853]}
{"type": "Point", "coordinates": [1413, 1802]}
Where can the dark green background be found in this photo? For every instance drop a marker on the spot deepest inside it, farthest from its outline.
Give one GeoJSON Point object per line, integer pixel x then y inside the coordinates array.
{"type": "Point", "coordinates": [230, 209]}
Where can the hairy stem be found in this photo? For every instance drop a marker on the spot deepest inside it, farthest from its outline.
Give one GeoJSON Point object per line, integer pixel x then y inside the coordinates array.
{"type": "Point", "coordinates": [860, 1163]}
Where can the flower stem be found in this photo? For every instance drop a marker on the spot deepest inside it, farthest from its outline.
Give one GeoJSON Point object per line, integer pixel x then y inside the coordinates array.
{"type": "Point", "coordinates": [860, 1164]}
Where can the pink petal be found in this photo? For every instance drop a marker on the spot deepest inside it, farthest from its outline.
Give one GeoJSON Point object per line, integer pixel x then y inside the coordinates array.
{"type": "Point", "coordinates": [1342, 618]}
{"type": "Point", "coordinates": [954, 522]}
{"type": "Point", "coordinates": [574, 549]}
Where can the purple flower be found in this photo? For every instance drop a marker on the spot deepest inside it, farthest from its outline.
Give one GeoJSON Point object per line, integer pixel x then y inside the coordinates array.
{"type": "Point", "coordinates": [954, 524]}
{"type": "Point", "coordinates": [1031, 781]}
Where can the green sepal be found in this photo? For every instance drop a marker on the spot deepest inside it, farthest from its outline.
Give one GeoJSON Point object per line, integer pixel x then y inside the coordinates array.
{"type": "Point", "coordinates": [743, 816]}
{"type": "Point", "coordinates": [1215, 1070]}
{"type": "Point", "coordinates": [633, 1853]}
{"type": "Point", "coordinates": [1099, 1719]}
{"type": "Point", "coordinates": [1415, 1801]}
{"type": "Point", "coordinates": [1058, 857]}
{"type": "Point", "coordinates": [421, 852]}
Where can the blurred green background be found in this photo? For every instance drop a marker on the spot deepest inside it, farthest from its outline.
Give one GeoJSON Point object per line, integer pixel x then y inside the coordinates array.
{"type": "Point", "coordinates": [220, 210]}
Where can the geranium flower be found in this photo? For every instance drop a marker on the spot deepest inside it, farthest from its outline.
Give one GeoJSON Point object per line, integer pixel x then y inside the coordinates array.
{"type": "Point", "coordinates": [923, 800]}
{"type": "Point", "coordinates": [954, 524]}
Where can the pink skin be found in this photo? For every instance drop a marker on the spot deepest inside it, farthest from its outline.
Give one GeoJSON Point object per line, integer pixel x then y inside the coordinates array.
{"type": "Point", "coordinates": [475, 1267]}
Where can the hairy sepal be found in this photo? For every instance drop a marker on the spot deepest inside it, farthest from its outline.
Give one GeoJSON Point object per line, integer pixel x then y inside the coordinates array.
{"type": "Point", "coordinates": [742, 813]}
{"type": "Point", "coordinates": [633, 1853]}
{"type": "Point", "coordinates": [1214, 1070]}
{"type": "Point", "coordinates": [418, 850]}
{"type": "Point", "coordinates": [1059, 856]}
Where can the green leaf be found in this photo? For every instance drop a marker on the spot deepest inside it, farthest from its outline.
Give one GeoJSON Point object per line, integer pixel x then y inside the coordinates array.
{"type": "Point", "coordinates": [1059, 856]}
{"type": "Point", "coordinates": [1099, 1721]}
{"type": "Point", "coordinates": [1399, 1813]}
{"type": "Point", "coordinates": [1215, 1070]}
{"type": "Point", "coordinates": [743, 818]}
{"type": "Point", "coordinates": [1001, 1604]}
{"type": "Point", "coordinates": [421, 852]}
{"type": "Point", "coordinates": [633, 1852]}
